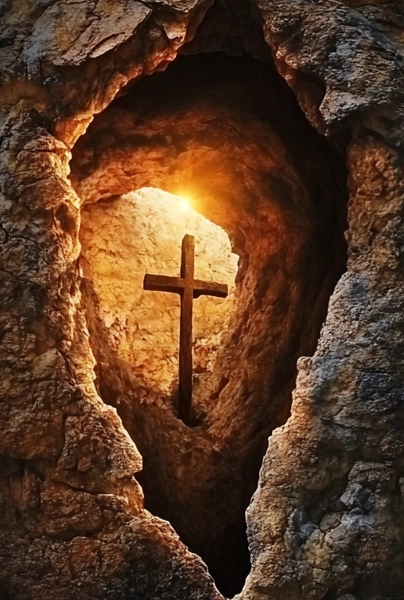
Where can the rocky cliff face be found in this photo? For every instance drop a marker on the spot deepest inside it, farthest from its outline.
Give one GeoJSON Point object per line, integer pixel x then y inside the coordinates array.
{"type": "Point", "coordinates": [326, 517]}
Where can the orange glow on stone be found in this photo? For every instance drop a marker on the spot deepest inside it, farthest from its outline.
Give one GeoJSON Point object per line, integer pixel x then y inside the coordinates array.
{"type": "Point", "coordinates": [141, 232]}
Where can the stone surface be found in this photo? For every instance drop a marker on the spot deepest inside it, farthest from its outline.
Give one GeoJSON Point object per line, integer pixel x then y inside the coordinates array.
{"type": "Point", "coordinates": [70, 33]}
{"type": "Point", "coordinates": [140, 233]}
{"type": "Point", "coordinates": [326, 518]}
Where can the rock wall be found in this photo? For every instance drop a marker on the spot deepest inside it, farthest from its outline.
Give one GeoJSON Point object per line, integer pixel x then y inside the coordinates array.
{"type": "Point", "coordinates": [141, 233]}
{"type": "Point", "coordinates": [325, 521]}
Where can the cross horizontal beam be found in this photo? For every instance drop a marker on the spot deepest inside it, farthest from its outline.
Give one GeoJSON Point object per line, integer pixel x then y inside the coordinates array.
{"type": "Point", "coordinates": [176, 285]}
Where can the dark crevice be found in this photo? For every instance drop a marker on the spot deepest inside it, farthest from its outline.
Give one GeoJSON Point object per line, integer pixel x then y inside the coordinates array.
{"type": "Point", "coordinates": [230, 128]}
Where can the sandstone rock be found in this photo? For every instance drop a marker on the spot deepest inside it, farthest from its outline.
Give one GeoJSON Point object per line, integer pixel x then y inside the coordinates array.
{"type": "Point", "coordinates": [142, 326]}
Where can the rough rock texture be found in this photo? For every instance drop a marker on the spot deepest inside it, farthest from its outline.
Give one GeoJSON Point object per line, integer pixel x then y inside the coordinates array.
{"type": "Point", "coordinates": [328, 510]}
{"type": "Point", "coordinates": [142, 233]}
{"type": "Point", "coordinates": [326, 519]}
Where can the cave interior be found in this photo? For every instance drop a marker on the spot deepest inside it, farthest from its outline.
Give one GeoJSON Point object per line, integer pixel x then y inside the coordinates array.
{"type": "Point", "coordinates": [224, 130]}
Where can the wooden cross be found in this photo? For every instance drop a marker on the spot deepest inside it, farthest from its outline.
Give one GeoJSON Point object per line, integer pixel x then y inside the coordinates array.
{"type": "Point", "coordinates": [188, 288]}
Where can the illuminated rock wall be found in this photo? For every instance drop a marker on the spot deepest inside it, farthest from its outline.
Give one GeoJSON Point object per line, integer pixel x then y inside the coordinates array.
{"type": "Point", "coordinates": [142, 233]}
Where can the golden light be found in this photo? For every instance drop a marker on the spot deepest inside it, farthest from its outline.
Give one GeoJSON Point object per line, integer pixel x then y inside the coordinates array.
{"type": "Point", "coordinates": [184, 204]}
{"type": "Point", "coordinates": [141, 232]}
{"type": "Point", "coordinates": [186, 195]}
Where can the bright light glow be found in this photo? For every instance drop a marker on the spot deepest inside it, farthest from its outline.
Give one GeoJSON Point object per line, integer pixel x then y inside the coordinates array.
{"type": "Point", "coordinates": [141, 232]}
{"type": "Point", "coordinates": [184, 204]}
{"type": "Point", "coordinates": [185, 197]}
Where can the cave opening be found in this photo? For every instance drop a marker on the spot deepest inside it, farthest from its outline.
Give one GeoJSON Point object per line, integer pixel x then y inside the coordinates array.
{"type": "Point", "coordinates": [227, 132]}
{"type": "Point", "coordinates": [138, 233]}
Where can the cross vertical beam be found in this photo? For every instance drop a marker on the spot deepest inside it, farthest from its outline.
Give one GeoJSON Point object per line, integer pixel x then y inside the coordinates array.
{"type": "Point", "coordinates": [189, 288]}
{"type": "Point", "coordinates": [187, 297]}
